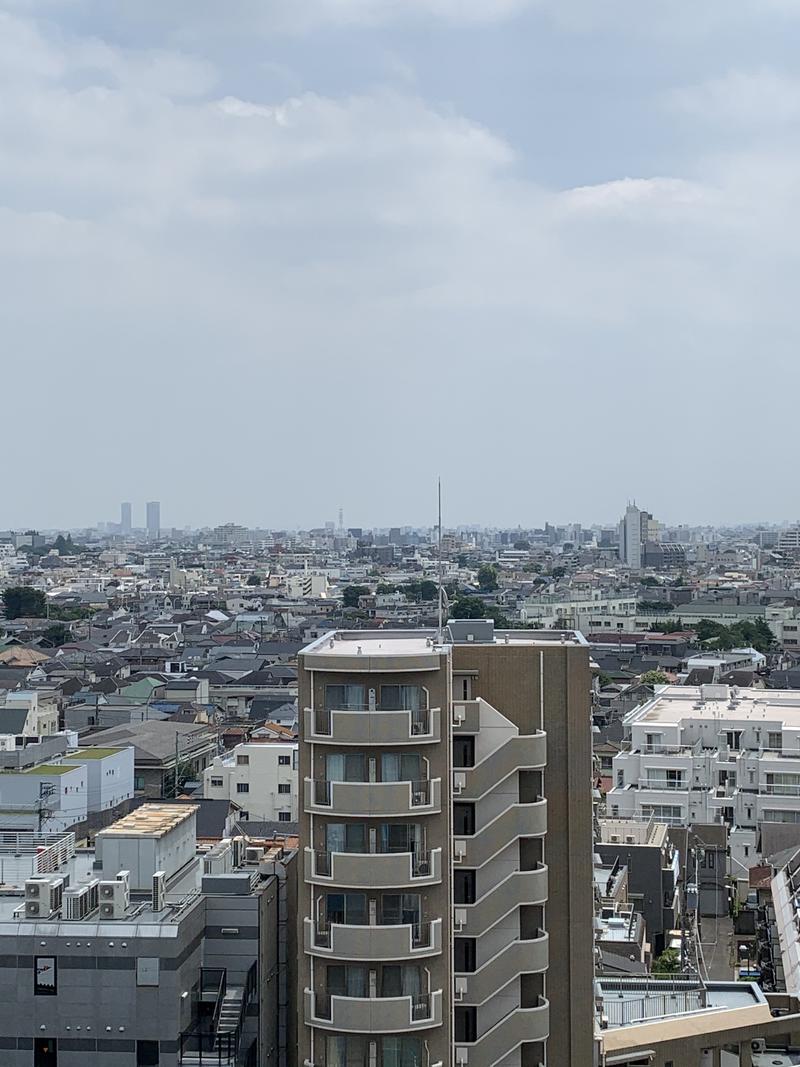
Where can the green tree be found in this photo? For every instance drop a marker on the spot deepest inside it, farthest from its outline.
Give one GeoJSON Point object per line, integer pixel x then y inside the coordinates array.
{"type": "Point", "coordinates": [63, 545]}
{"type": "Point", "coordinates": [655, 605]}
{"type": "Point", "coordinates": [557, 573]}
{"type": "Point", "coordinates": [649, 580]}
{"type": "Point", "coordinates": [56, 635]}
{"type": "Point", "coordinates": [352, 593]}
{"type": "Point", "coordinates": [654, 678]}
{"type": "Point", "coordinates": [21, 601]}
{"type": "Point", "coordinates": [254, 579]}
{"type": "Point", "coordinates": [385, 587]}
{"type": "Point", "coordinates": [669, 962]}
{"type": "Point", "coordinates": [468, 607]}
{"type": "Point", "coordinates": [487, 578]}
{"type": "Point", "coordinates": [522, 546]}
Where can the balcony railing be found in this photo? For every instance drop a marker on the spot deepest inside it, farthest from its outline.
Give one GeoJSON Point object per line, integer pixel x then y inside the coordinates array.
{"type": "Point", "coordinates": [374, 798]}
{"type": "Point", "coordinates": [375, 941]}
{"type": "Point", "coordinates": [778, 790]}
{"type": "Point", "coordinates": [374, 870]}
{"type": "Point", "coordinates": [679, 784]}
{"type": "Point", "coordinates": [373, 1015]}
{"type": "Point", "coordinates": [377, 725]}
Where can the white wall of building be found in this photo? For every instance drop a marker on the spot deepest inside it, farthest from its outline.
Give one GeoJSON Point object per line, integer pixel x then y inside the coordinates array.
{"type": "Point", "coordinates": [261, 777]}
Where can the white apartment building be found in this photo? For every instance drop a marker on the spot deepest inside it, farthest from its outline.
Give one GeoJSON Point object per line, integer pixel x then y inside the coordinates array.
{"type": "Point", "coordinates": [29, 713]}
{"type": "Point", "coordinates": [712, 753]}
{"type": "Point", "coordinates": [578, 612]}
{"type": "Point", "coordinates": [259, 776]}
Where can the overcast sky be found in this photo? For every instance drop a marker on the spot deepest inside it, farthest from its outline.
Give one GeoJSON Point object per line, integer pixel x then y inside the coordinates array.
{"type": "Point", "coordinates": [260, 259]}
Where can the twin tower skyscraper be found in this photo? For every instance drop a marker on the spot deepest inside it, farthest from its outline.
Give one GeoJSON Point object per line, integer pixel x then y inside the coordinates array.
{"type": "Point", "coordinates": [153, 519]}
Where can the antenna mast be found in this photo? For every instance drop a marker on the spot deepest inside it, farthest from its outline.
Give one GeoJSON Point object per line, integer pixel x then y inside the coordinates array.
{"type": "Point", "coordinates": [441, 586]}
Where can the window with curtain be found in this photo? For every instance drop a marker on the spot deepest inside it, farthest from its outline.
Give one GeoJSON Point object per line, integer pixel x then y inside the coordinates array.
{"type": "Point", "coordinates": [401, 767]}
{"type": "Point", "coordinates": [346, 980]}
{"type": "Point", "coordinates": [401, 909]}
{"type": "Point", "coordinates": [401, 698]}
{"type": "Point", "coordinates": [345, 767]}
{"type": "Point", "coordinates": [347, 908]}
{"type": "Point", "coordinates": [401, 1052]}
{"type": "Point", "coordinates": [345, 837]}
{"type": "Point", "coordinates": [401, 980]}
{"type": "Point", "coordinates": [342, 697]}
{"type": "Point", "coordinates": [343, 1050]}
{"type": "Point", "coordinates": [401, 837]}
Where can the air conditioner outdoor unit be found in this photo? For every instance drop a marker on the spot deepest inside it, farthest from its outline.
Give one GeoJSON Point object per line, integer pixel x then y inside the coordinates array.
{"type": "Point", "coordinates": [42, 898]}
{"type": "Point", "coordinates": [238, 851]}
{"type": "Point", "coordinates": [124, 876]}
{"type": "Point", "coordinates": [114, 899]}
{"type": "Point", "coordinates": [159, 890]}
{"type": "Point", "coordinates": [253, 855]}
{"type": "Point", "coordinates": [93, 887]}
{"type": "Point", "coordinates": [758, 1045]}
{"type": "Point", "coordinates": [75, 903]}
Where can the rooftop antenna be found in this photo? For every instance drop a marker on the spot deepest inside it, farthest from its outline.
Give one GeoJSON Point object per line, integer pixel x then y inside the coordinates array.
{"type": "Point", "coordinates": [439, 548]}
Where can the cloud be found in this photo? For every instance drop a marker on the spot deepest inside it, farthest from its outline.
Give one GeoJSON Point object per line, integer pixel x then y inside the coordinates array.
{"type": "Point", "coordinates": [742, 98]}
{"type": "Point", "coordinates": [202, 284]}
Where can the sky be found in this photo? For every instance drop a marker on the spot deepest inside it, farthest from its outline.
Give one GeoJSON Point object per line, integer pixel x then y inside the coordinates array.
{"type": "Point", "coordinates": [261, 259]}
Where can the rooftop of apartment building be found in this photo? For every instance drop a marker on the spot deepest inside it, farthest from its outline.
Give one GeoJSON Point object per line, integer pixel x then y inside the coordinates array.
{"type": "Point", "coordinates": [634, 1011]}
{"type": "Point", "coordinates": [632, 832]}
{"type": "Point", "coordinates": [675, 703]}
{"type": "Point", "coordinates": [28, 855]}
{"type": "Point", "coordinates": [352, 643]}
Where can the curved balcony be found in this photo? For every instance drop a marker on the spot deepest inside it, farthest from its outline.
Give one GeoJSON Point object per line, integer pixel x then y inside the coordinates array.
{"type": "Point", "coordinates": [379, 799]}
{"type": "Point", "coordinates": [525, 752]}
{"type": "Point", "coordinates": [522, 1024]}
{"type": "Point", "coordinates": [373, 1015]}
{"type": "Point", "coordinates": [373, 870]}
{"type": "Point", "coordinates": [520, 957]}
{"type": "Point", "coordinates": [519, 887]}
{"type": "Point", "coordinates": [351, 942]}
{"type": "Point", "coordinates": [372, 726]}
{"type": "Point", "coordinates": [518, 820]}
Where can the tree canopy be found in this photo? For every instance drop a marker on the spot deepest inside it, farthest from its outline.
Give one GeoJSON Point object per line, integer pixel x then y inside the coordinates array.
{"type": "Point", "coordinates": [472, 607]}
{"type": "Point", "coordinates": [22, 601]}
{"type": "Point", "coordinates": [487, 578]}
{"type": "Point", "coordinates": [745, 634]}
{"type": "Point", "coordinates": [654, 678]}
{"type": "Point", "coordinates": [351, 594]}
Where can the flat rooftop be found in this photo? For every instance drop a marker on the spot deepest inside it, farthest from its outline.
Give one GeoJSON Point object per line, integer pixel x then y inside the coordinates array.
{"type": "Point", "coordinates": [715, 703]}
{"type": "Point", "coordinates": [373, 643]}
{"type": "Point", "coordinates": [150, 820]}
{"type": "Point", "coordinates": [643, 833]}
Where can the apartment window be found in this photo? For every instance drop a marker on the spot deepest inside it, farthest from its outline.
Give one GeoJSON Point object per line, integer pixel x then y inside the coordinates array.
{"type": "Point", "coordinates": [775, 740]}
{"type": "Point", "coordinates": [284, 816]}
{"type": "Point", "coordinates": [464, 954]}
{"type": "Point", "coordinates": [45, 976]}
{"type": "Point", "coordinates": [466, 1024]}
{"type": "Point", "coordinates": [401, 698]}
{"type": "Point", "coordinates": [216, 783]}
{"type": "Point", "coordinates": [463, 751]}
{"type": "Point", "coordinates": [284, 761]}
{"type": "Point", "coordinates": [146, 1054]}
{"type": "Point", "coordinates": [284, 787]}
{"type": "Point", "coordinates": [463, 819]}
{"type": "Point", "coordinates": [242, 787]}
{"type": "Point", "coordinates": [464, 885]}
{"type": "Point", "coordinates": [138, 781]}
{"type": "Point", "coordinates": [776, 815]}
{"type": "Point", "coordinates": [242, 761]}
{"type": "Point", "coordinates": [734, 739]}
{"type": "Point", "coordinates": [344, 697]}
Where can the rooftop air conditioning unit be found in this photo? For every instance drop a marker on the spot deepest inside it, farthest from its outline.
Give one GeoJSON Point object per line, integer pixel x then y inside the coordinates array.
{"type": "Point", "coordinates": [75, 903]}
{"type": "Point", "coordinates": [159, 890]}
{"type": "Point", "coordinates": [42, 898]}
{"type": "Point", "coordinates": [238, 851]}
{"type": "Point", "coordinates": [758, 1044]}
{"type": "Point", "coordinates": [124, 876]}
{"type": "Point", "coordinates": [114, 899]}
{"type": "Point", "coordinates": [93, 886]}
{"type": "Point", "coordinates": [253, 855]}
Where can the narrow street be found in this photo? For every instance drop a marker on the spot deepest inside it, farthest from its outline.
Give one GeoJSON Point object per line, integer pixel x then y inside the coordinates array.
{"type": "Point", "coordinates": [717, 948]}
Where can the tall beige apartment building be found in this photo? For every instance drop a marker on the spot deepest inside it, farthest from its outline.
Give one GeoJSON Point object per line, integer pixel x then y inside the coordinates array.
{"type": "Point", "coordinates": [445, 902]}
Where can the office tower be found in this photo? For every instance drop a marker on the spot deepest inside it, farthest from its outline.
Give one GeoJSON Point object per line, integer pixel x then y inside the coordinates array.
{"type": "Point", "coordinates": [153, 519]}
{"type": "Point", "coordinates": [445, 903]}
{"type": "Point", "coordinates": [636, 529]}
{"type": "Point", "coordinates": [125, 519]}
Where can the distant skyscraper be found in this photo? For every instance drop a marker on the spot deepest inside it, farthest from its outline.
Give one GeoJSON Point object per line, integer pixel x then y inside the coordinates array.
{"type": "Point", "coordinates": [636, 528]}
{"type": "Point", "coordinates": [125, 518]}
{"type": "Point", "coordinates": [153, 519]}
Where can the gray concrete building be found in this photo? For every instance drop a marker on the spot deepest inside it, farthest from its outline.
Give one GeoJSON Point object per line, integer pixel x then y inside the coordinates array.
{"type": "Point", "coordinates": [445, 898]}
{"type": "Point", "coordinates": [173, 958]}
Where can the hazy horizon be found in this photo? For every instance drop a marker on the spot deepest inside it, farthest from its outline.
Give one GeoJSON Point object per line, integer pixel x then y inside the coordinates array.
{"type": "Point", "coordinates": [270, 259]}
